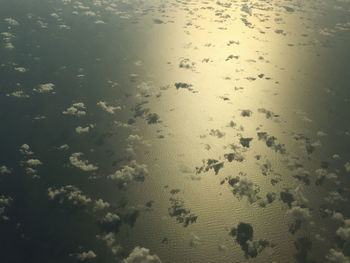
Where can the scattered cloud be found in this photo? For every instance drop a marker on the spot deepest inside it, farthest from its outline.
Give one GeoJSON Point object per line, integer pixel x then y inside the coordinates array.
{"type": "Point", "coordinates": [142, 255]}
{"type": "Point", "coordinates": [75, 160]}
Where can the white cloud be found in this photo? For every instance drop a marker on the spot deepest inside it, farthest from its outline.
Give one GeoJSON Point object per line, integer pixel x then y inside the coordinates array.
{"type": "Point", "coordinates": [110, 240]}
{"type": "Point", "coordinates": [81, 129]}
{"type": "Point", "coordinates": [81, 164]}
{"type": "Point", "coordinates": [63, 147]}
{"type": "Point", "coordinates": [344, 231]}
{"type": "Point", "coordinates": [300, 213]}
{"type": "Point", "coordinates": [335, 197]}
{"type": "Point", "coordinates": [33, 162]}
{"type": "Point", "coordinates": [347, 167]}
{"type": "Point", "coordinates": [142, 255]}
{"type": "Point", "coordinates": [109, 218]}
{"type": "Point", "coordinates": [11, 21]}
{"type": "Point", "coordinates": [18, 94]}
{"type": "Point", "coordinates": [70, 194]}
{"type": "Point", "coordinates": [335, 256]}
{"type": "Point", "coordinates": [100, 205]}
{"type": "Point", "coordinates": [77, 109]}
{"type": "Point", "coordinates": [25, 150]}
{"type": "Point", "coordinates": [86, 255]}
{"type": "Point", "coordinates": [4, 170]}
{"type": "Point", "coordinates": [110, 109]}
{"type": "Point", "coordinates": [129, 173]}
{"type": "Point", "coordinates": [21, 69]}
{"type": "Point", "coordinates": [5, 202]}
{"type": "Point", "coordinates": [45, 88]}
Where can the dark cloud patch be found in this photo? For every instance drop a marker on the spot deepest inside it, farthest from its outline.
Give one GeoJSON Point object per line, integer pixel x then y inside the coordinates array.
{"type": "Point", "coordinates": [246, 113]}
{"type": "Point", "coordinates": [158, 21]}
{"type": "Point", "coordinates": [271, 142]}
{"type": "Point", "coordinates": [288, 9]}
{"type": "Point", "coordinates": [243, 187]}
{"type": "Point", "coordinates": [295, 226]}
{"type": "Point", "coordinates": [182, 214]}
{"type": "Point", "coordinates": [139, 109]}
{"type": "Point", "coordinates": [232, 42]}
{"type": "Point", "coordinates": [209, 164]}
{"type": "Point", "coordinates": [302, 175]}
{"type": "Point", "coordinates": [287, 197]}
{"type": "Point", "coordinates": [309, 147]}
{"type": "Point", "coordinates": [270, 197]}
{"type": "Point", "coordinates": [217, 133]}
{"type": "Point", "coordinates": [130, 215]}
{"type": "Point", "coordinates": [186, 64]}
{"type": "Point", "coordinates": [236, 155]}
{"type": "Point", "coordinates": [149, 204]}
{"type": "Point", "coordinates": [153, 118]}
{"type": "Point", "coordinates": [303, 246]}
{"type": "Point", "coordinates": [268, 114]}
{"type": "Point", "coordinates": [231, 57]}
{"type": "Point", "coordinates": [244, 234]}
{"type": "Point", "coordinates": [183, 85]}
{"type": "Point", "coordinates": [245, 142]}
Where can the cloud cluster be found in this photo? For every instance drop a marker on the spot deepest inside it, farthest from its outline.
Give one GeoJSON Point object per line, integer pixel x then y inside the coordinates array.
{"type": "Point", "coordinates": [244, 234]}
{"type": "Point", "coordinates": [182, 214]}
{"type": "Point", "coordinates": [129, 173]}
{"type": "Point", "coordinates": [77, 109]}
{"type": "Point", "coordinates": [68, 194]}
{"type": "Point", "coordinates": [5, 202]}
{"type": "Point", "coordinates": [244, 187]}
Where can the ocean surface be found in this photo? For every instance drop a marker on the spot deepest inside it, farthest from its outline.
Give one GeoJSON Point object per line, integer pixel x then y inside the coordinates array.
{"type": "Point", "coordinates": [147, 131]}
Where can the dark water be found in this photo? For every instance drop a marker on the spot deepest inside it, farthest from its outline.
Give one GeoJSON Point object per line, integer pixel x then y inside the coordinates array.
{"type": "Point", "coordinates": [174, 131]}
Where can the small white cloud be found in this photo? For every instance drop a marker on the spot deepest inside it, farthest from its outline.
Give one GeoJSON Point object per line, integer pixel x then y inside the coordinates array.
{"type": "Point", "coordinates": [18, 94]}
{"type": "Point", "coordinates": [99, 22]}
{"type": "Point", "coordinates": [344, 231]}
{"type": "Point", "coordinates": [63, 147]}
{"type": "Point", "coordinates": [141, 255]}
{"type": "Point", "coordinates": [45, 88]}
{"type": "Point", "coordinates": [21, 69]}
{"type": "Point", "coordinates": [5, 202]}
{"type": "Point", "coordinates": [11, 21]}
{"type": "Point", "coordinates": [33, 162]}
{"type": "Point", "coordinates": [110, 240]}
{"type": "Point", "coordinates": [347, 167]}
{"type": "Point", "coordinates": [86, 255]}
{"type": "Point", "coordinates": [5, 170]}
{"type": "Point", "coordinates": [25, 150]}
{"type": "Point", "coordinates": [100, 205]}
{"type": "Point", "coordinates": [110, 109]}
{"type": "Point", "coordinates": [81, 129]}
{"type": "Point", "coordinates": [75, 160]}
{"type": "Point", "coordinates": [109, 218]}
